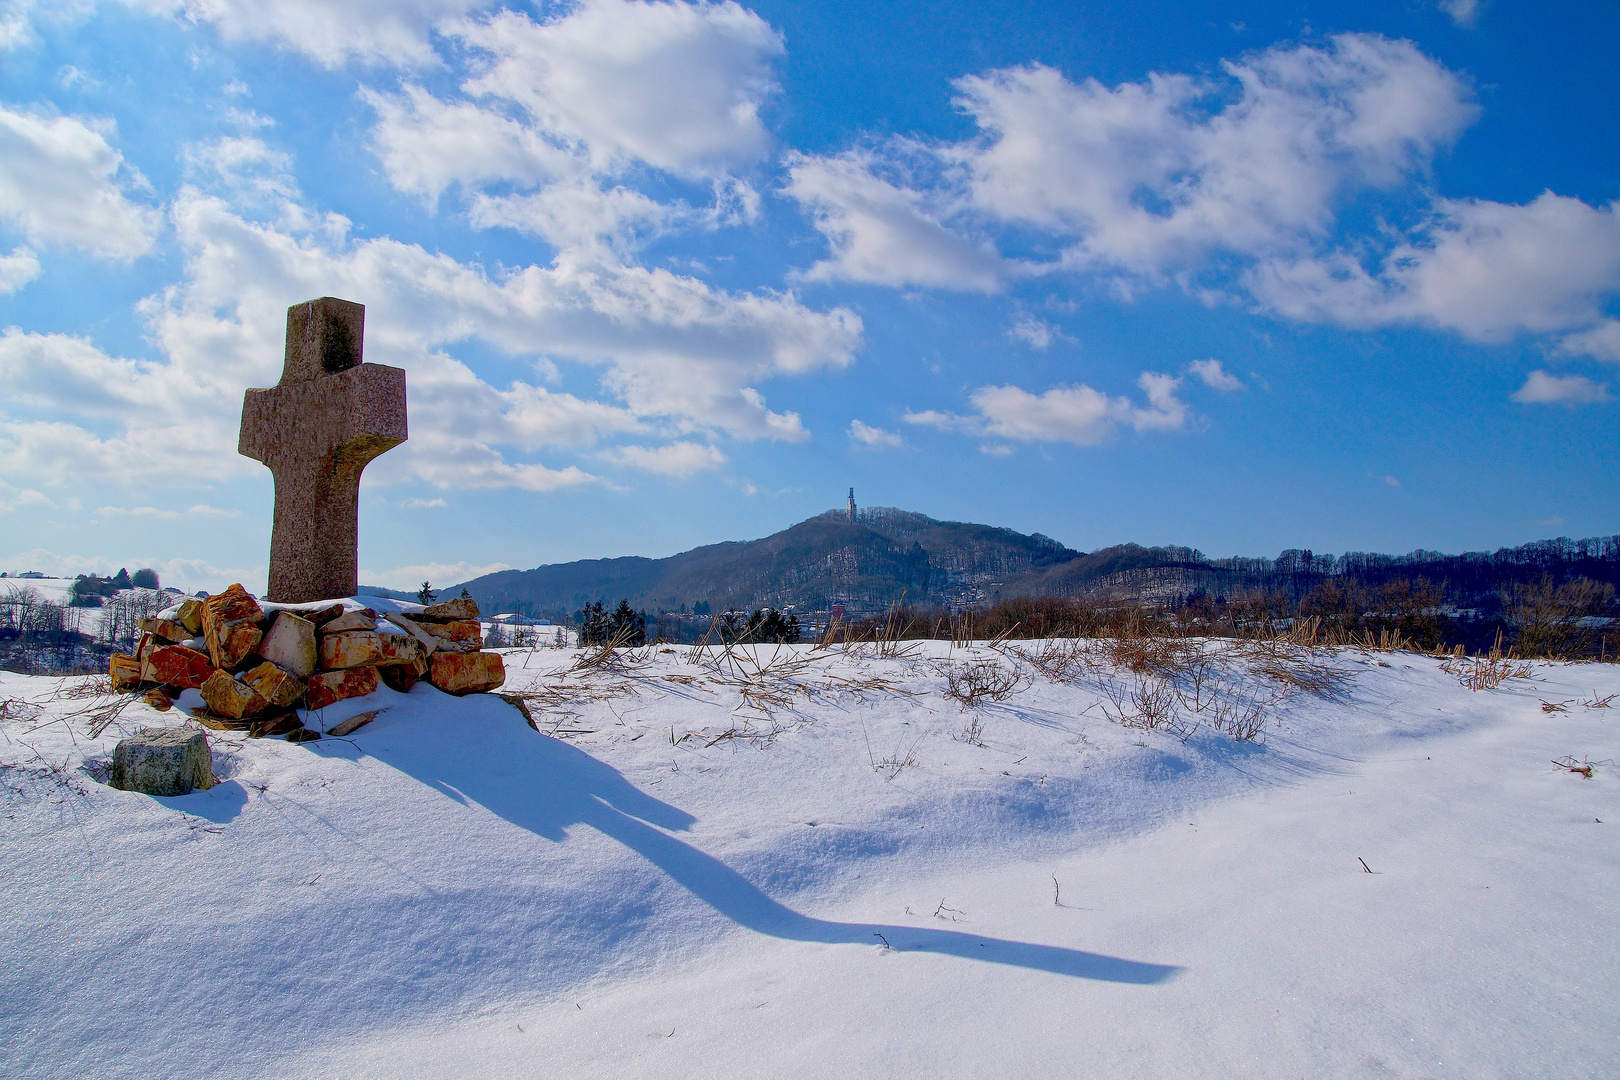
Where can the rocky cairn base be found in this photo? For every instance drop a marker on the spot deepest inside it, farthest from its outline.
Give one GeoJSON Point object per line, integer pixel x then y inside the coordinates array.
{"type": "Point", "coordinates": [255, 667]}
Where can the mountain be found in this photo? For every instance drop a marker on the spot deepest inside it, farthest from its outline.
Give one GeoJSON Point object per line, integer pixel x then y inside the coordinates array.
{"type": "Point", "coordinates": [887, 554]}
{"type": "Point", "coordinates": [864, 565]}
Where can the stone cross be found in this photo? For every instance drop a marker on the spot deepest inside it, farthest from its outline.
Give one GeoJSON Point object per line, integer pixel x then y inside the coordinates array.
{"type": "Point", "coordinates": [316, 430]}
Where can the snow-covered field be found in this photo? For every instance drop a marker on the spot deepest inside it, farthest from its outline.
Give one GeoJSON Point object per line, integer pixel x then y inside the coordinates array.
{"type": "Point", "coordinates": [863, 878]}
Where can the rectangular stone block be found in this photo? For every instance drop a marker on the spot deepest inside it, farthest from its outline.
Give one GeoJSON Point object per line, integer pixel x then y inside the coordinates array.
{"type": "Point", "coordinates": [190, 617]}
{"type": "Point", "coordinates": [466, 673]}
{"type": "Point", "coordinates": [402, 677]}
{"type": "Point", "coordinates": [353, 649]}
{"type": "Point", "coordinates": [224, 613]}
{"type": "Point", "coordinates": [179, 666]}
{"type": "Point", "coordinates": [163, 762]}
{"type": "Point", "coordinates": [450, 610]}
{"type": "Point", "coordinates": [358, 619]}
{"type": "Point", "coordinates": [237, 644]}
{"type": "Point", "coordinates": [398, 649]}
{"type": "Point", "coordinates": [125, 671]}
{"type": "Point", "coordinates": [169, 631]}
{"type": "Point", "coordinates": [274, 685]}
{"type": "Point", "coordinates": [231, 698]}
{"type": "Point", "coordinates": [290, 644]}
{"type": "Point", "coordinates": [467, 632]}
{"type": "Point", "coordinates": [330, 687]}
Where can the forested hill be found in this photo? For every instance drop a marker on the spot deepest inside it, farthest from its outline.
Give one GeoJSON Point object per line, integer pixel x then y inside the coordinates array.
{"type": "Point", "coordinates": [888, 554]}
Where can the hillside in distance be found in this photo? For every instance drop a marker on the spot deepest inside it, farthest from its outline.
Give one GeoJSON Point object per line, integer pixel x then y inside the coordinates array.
{"type": "Point", "coordinates": [887, 555]}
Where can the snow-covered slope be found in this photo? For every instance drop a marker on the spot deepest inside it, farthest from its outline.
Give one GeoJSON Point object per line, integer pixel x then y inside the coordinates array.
{"type": "Point", "coordinates": [847, 874]}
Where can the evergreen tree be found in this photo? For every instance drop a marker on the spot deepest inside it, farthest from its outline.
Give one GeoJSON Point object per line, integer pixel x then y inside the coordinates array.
{"type": "Point", "coordinates": [425, 595]}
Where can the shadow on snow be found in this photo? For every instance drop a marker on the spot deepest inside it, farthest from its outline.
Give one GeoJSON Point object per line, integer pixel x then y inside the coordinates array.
{"type": "Point", "coordinates": [546, 786]}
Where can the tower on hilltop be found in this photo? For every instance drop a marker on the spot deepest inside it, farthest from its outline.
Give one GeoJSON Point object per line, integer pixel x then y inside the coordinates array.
{"type": "Point", "coordinates": [852, 504]}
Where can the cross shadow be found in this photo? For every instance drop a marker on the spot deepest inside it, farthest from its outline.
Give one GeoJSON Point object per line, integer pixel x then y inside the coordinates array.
{"type": "Point", "coordinates": [492, 759]}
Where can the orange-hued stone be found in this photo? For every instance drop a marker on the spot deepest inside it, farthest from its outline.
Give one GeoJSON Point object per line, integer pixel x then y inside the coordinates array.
{"type": "Point", "coordinates": [158, 700]}
{"type": "Point", "coordinates": [462, 632]}
{"type": "Point", "coordinates": [227, 619]}
{"type": "Point", "coordinates": [229, 697]}
{"type": "Point", "coordinates": [329, 687]}
{"type": "Point", "coordinates": [466, 673]}
{"type": "Point", "coordinates": [274, 685]}
{"type": "Point", "coordinates": [167, 629]}
{"type": "Point", "coordinates": [402, 677]}
{"type": "Point", "coordinates": [237, 644]}
{"type": "Point", "coordinates": [125, 671]}
{"type": "Point", "coordinates": [353, 649]}
{"type": "Point", "coordinates": [176, 665]}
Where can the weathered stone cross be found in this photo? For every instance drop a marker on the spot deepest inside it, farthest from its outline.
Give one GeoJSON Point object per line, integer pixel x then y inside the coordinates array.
{"type": "Point", "coordinates": [317, 429]}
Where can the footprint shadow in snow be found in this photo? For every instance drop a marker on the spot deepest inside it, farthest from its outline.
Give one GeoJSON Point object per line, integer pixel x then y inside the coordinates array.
{"type": "Point", "coordinates": [547, 786]}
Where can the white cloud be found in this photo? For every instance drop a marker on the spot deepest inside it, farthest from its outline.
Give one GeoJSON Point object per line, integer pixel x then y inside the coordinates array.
{"type": "Point", "coordinates": [17, 269]}
{"type": "Point", "coordinates": [681, 459]}
{"type": "Point", "coordinates": [330, 32]}
{"type": "Point", "coordinates": [1213, 375]}
{"type": "Point", "coordinates": [1462, 12]}
{"type": "Point", "coordinates": [1230, 184]}
{"type": "Point", "coordinates": [881, 233]}
{"type": "Point", "coordinates": [873, 438]}
{"type": "Point", "coordinates": [1544, 388]}
{"type": "Point", "coordinates": [424, 504]}
{"type": "Point", "coordinates": [677, 355]}
{"type": "Point", "coordinates": [1390, 481]}
{"type": "Point", "coordinates": [1148, 177]}
{"type": "Point", "coordinates": [426, 144]}
{"type": "Point", "coordinates": [1601, 341]}
{"type": "Point", "coordinates": [1486, 270]}
{"type": "Point", "coordinates": [59, 185]}
{"type": "Point", "coordinates": [411, 577]}
{"type": "Point", "coordinates": [675, 85]}
{"type": "Point", "coordinates": [1037, 333]}
{"type": "Point", "coordinates": [1074, 414]}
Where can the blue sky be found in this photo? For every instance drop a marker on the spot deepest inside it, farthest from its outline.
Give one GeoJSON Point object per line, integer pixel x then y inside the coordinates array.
{"type": "Point", "coordinates": [1238, 276]}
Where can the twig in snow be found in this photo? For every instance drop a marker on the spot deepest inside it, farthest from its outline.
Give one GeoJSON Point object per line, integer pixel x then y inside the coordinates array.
{"type": "Point", "coordinates": [1363, 863]}
{"type": "Point", "coordinates": [1056, 892]}
{"type": "Point", "coordinates": [883, 939]}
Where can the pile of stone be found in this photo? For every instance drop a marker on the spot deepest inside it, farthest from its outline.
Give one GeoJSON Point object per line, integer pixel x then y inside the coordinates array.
{"type": "Point", "coordinates": [256, 666]}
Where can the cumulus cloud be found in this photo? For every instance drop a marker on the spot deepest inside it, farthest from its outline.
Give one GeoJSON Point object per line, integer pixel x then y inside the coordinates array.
{"type": "Point", "coordinates": [1601, 341]}
{"type": "Point", "coordinates": [1544, 388]}
{"type": "Point", "coordinates": [873, 438]}
{"type": "Point", "coordinates": [562, 116]}
{"type": "Point", "coordinates": [1213, 375]}
{"type": "Point", "coordinates": [1151, 179]}
{"type": "Point", "coordinates": [1486, 270]}
{"type": "Point", "coordinates": [675, 85]}
{"type": "Point", "coordinates": [60, 185]}
{"type": "Point", "coordinates": [1073, 414]}
{"type": "Point", "coordinates": [330, 32]}
{"type": "Point", "coordinates": [881, 233]}
{"type": "Point", "coordinates": [17, 269]}
{"type": "Point", "coordinates": [681, 459]}
{"type": "Point", "coordinates": [673, 356]}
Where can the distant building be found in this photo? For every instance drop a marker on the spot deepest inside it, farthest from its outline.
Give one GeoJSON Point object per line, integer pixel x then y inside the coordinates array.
{"type": "Point", "coordinates": [852, 504]}
{"type": "Point", "coordinates": [37, 574]}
